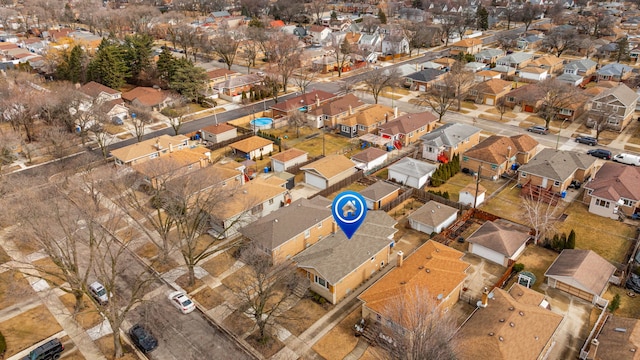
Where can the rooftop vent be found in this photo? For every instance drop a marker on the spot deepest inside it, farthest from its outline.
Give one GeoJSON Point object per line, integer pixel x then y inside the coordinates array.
{"type": "Point", "coordinates": [501, 338]}
{"type": "Point", "coordinates": [521, 313]}
{"type": "Point", "coordinates": [428, 271]}
{"type": "Point", "coordinates": [511, 308]}
{"type": "Point", "coordinates": [420, 267]}
{"type": "Point", "coordinates": [512, 324]}
{"type": "Point", "coordinates": [501, 320]}
{"type": "Point", "coordinates": [491, 333]}
{"type": "Point", "coordinates": [622, 330]}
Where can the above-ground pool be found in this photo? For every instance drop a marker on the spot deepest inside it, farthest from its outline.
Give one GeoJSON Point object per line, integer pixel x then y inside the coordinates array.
{"type": "Point", "coordinates": [262, 123]}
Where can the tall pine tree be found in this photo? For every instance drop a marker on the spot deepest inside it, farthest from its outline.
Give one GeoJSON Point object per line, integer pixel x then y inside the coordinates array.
{"type": "Point", "coordinates": [108, 67]}
{"type": "Point", "coordinates": [137, 55]}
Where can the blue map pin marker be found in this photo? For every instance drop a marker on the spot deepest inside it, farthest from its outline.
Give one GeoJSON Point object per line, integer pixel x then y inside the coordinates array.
{"type": "Point", "coordinates": [349, 210]}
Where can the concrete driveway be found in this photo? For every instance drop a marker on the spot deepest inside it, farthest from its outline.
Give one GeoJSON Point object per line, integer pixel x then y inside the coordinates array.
{"type": "Point", "coordinates": [481, 273]}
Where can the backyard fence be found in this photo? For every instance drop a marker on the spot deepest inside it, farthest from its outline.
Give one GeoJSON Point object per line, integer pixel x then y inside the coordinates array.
{"type": "Point", "coordinates": [340, 184]}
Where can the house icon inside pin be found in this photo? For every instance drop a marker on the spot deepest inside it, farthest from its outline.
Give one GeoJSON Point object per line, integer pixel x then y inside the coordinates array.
{"type": "Point", "coordinates": [349, 209]}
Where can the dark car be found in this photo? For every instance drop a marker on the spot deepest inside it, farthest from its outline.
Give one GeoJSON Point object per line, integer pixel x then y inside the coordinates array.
{"type": "Point", "coordinates": [633, 283]}
{"type": "Point", "coordinates": [50, 350]}
{"type": "Point", "coordinates": [538, 130]}
{"type": "Point", "coordinates": [600, 153]}
{"type": "Point", "coordinates": [587, 140]}
{"type": "Point", "coordinates": [142, 338]}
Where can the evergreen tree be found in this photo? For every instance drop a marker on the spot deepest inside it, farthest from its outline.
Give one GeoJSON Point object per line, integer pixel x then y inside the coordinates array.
{"type": "Point", "coordinates": [382, 17]}
{"type": "Point", "coordinates": [138, 51]}
{"type": "Point", "coordinates": [482, 18]}
{"type": "Point", "coordinates": [615, 303]}
{"type": "Point", "coordinates": [164, 65]}
{"type": "Point", "coordinates": [71, 66]}
{"type": "Point", "coordinates": [563, 241]}
{"type": "Point", "coordinates": [190, 81]}
{"type": "Point", "coordinates": [622, 53]}
{"type": "Point", "coordinates": [108, 67]}
{"type": "Point", "coordinates": [571, 240]}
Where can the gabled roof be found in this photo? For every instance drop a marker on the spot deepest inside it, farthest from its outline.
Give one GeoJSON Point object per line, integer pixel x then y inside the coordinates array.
{"type": "Point", "coordinates": [534, 70]}
{"type": "Point", "coordinates": [512, 326]}
{"type": "Point", "coordinates": [570, 78]}
{"type": "Point", "coordinates": [489, 53]}
{"type": "Point", "coordinates": [335, 256]}
{"type": "Point", "coordinates": [433, 213]}
{"type": "Point", "coordinates": [304, 100]}
{"type": "Point", "coordinates": [94, 89]}
{"type": "Point", "coordinates": [147, 147]}
{"type": "Point", "coordinates": [450, 134]}
{"type": "Point", "coordinates": [379, 190]}
{"type": "Point", "coordinates": [621, 92]}
{"type": "Point", "coordinates": [218, 128]}
{"type": "Point", "coordinates": [496, 149]}
{"type": "Point", "coordinates": [146, 96]}
{"type": "Point", "coordinates": [285, 223]}
{"type": "Point", "coordinates": [412, 167]}
{"type": "Point", "coordinates": [368, 116]}
{"type": "Point", "coordinates": [583, 269]}
{"type": "Point", "coordinates": [407, 123]}
{"type": "Point", "coordinates": [250, 144]}
{"type": "Point", "coordinates": [329, 166]}
{"type": "Point", "coordinates": [614, 69]}
{"type": "Point", "coordinates": [218, 73]}
{"type": "Point", "coordinates": [168, 164]}
{"type": "Point", "coordinates": [339, 105]}
{"type": "Point", "coordinates": [581, 65]}
{"type": "Point", "coordinates": [242, 80]}
{"type": "Point", "coordinates": [369, 154]}
{"type": "Point", "coordinates": [426, 75]}
{"type": "Point", "coordinates": [492, 86]}
{"type": "Point", "coordinates": [557, 164]}
{"type": "Point", "coordinates": [467, 42]}
{"type": "Point", "coordinates": [247, 196]}
{"type": "Point", "coordinates": [515, 58]}
{"type": "Point", "coordinates": [614, 181]}
{"type": "Point", "coordinates": [434, 267]}
{"type": "Point", "coordinates": [501, 237]}
{"type": "Point", "coordinates": [288, 155]}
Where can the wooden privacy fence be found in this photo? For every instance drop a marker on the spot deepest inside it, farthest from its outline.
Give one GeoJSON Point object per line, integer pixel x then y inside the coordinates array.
{"type": "Point", "coordinates": [340, 184]}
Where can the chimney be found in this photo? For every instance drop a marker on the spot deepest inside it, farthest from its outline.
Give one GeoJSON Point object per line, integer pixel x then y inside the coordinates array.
{"type": "Point", "coordinates": [395, 112]}
{"type": "Point", "coordinates": [400, 258]}
{"type": "Point", "coordinates": [334, 227]}
{"type": "Point", "coordinates": [317, 101]}
{"type": "Point", "coordinates": [170, 147]}
{"type": "Point", "coordinates": [593, 349]}
{"type": "Point", "coordinates": [350, 110]}
{"type": "Point", "coordinates": [485, 298]}
{"type": "Point", "coordinates": [158, 146]}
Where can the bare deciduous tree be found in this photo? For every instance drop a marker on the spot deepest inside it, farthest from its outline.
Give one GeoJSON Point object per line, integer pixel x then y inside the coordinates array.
{"type": "Point", "coordinates": [140, 118]}
{"type": "Point", "coordinates": [560, 40]}
{"type": "Point", "coordinates": [540, 215]}
{"type": "Point", "coordinates": [225, 45]}
{"type": "Point", "coordinates": [439, 97]}
{"type": "Point", "coordinates": [502, 107]}
{"type": "Point", "coordinates": [553, 96]}
{"type": "Point", "coordinates": [285, 53]}
{"type": "Point", "coordinates": [304, 78]}
{"type": "Point", "coordinates": [460, 79]}
{"type": "Point", "coordinates": [377, 81]}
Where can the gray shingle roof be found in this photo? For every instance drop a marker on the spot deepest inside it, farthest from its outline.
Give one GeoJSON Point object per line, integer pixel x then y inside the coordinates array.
{"type": "Point", "coordinates": [412, 167]}
{"type": "Point", "coordinates": [614, 69]}
{"type": "Point", "coordinates": [378, 190]}
{"type": "Point", "coordinates": [489, 53]}
{"type": "Point", "coordinates": [581, 65]}
{"type": "Point", "coordinates": [499, 237]}
{"type": "Point", "coordinates": [425, 75]}
{"type": "Point", "coordinates": [583, 269]}
{"type": "Point", "coordinates": [433, 213]}
{"type": "Point", "coordinates": [450, 134]}
{"type": "Point", "coordinates": [621, 92]}
{"type": "Point", "coordinates": [335, 256]}
{"type": "Point", "coordinates": [557, 164]}
{"type": "Point", "coordinates": [283, 224]}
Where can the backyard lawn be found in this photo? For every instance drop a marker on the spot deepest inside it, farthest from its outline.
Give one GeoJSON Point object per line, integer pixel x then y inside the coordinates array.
{"type": "Point", "coordinates": [506, 204]}
{"type": "Point", "coordinates": [607, 237]}
{"type": "Point", "coordinates": [536, 260]}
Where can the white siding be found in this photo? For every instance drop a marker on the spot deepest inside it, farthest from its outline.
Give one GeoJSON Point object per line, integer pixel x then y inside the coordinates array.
{"type": "Point", "coordinates": [315, 180]}
{"type": "Point", "coordinates": [488, 254]}
{"type": "Point", "coordinates": [277, 166]}
{"type": "Point", "coordinates": [601, 210]}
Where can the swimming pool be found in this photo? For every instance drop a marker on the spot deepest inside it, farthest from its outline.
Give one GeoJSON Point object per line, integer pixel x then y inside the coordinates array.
{"type": "Point", "coordinates": [262, 123]}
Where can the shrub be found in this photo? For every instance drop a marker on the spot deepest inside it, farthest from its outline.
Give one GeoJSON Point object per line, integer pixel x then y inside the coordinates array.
{"type": "Point", "coordinates": [3, 345]}
{"type": "Point", "coordinates": [518, 267]}
{"type": "Point", "coordinates": [615, 303]}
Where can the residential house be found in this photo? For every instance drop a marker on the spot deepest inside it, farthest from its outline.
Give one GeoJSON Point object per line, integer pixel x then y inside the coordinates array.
{"type": "Point", "coordinates": [582, 67]}
{"type": "Point", "coordinates": [422, 80]}
{"type": "Point", "coordinates": [218, 75]}
{"type": "Point", "coordinates": [581, 273]}
{"type": "Point", "coordinates": [489, 92]}
{"type": "Point", "coordinates": [514, 324]}
{"type": "Point", "coordinates": [408, 128]}
{"type": "Point", "coordinates": [328, 171]}
{"type": "Point", "coordinates": [108, 99]}
{"type": "Point", "coordinates": [369, 159]}
{"type": "Point", "coordinates": [536, 74]}
{"type": "Point", "coordinates": [379, 194]}
{"type": "Point", "coordinates": [573, 80]}
{"type": "Point", "coordinates": [289, 158]}
{"type": "Point", "coordinates": [446, 62]}
{"type": "Point", "coordinates": [552, 63]}
{"type": "Point", "coordinates": [555, 169]}
{"type": "Point", "coordinates": [616, 339]}
{"type": "Point", "coordinates": [252, 148]}
{"type": "Point", "coordinates": [370, 42]}
{"type": "Point", "coordinates": [617, 104]}
{"type": "Point", "coordinates": [432, 217]}
{"type": "Point", "coordinates": [367, 120]}
{"type": "Point", "coordinates": [466, 46]}
{"type": "Point", "coordinates": [579, 104]}
{"type": "Point", "coordinates": [148, 98]}
{"type": "Point", "coordinates": [304, 102]}
{"type": "Point", "coordinates": [527, 98]}
{"type": "Point", "coordinates": [634, 54]}
{"type": "Point", "coordinates": [489, 56]}
{"type": "Point", "coordinates": [614, 72]}
{"type": "Point", "coordinates": [411, 172]}
{"type": "Point", "coordinates": [434, 268]}
{"type": "Point", "coordinates": [232, 88]}
{"type": "Point", "coordinates": [149, 149]}
{"type": "Point", "coordinates": [499, 241]}
{"type": "Point", "coordinates": [218, 133]}
{"type": "Point", "coordinates": [245, 204]}
{"type": "Point", "coordinates": [496, 154]}
{"type": "Point", "coordinates": [289, 230]}
{"type": "Point", "coordinates": [517, 60]}
{"type": "Point", "coordinates": [329, 113]}
{"type": "Point", "coordinates": [444, 142]}
{"type": "Point", "coordinates": [395, 45]}
{"type": "Point", "coordinates": [335, 265]}
{"type": "Point", "coordinates": [318, 33]}
{"type": "Point", "coordinates": [472, 195]}
{"type": "Point", "coordinates": [172, 165]}
{"type": "Point", "coordinates": [505, 71]}
{"type": "Point", "coordinates": [485, 75]}
{"type": "Point", "coordinates": [529, 42]}
{"type": "Point", "coordinates": [474, 67]}
{"type": "Point", "coordinates": [614, 189]}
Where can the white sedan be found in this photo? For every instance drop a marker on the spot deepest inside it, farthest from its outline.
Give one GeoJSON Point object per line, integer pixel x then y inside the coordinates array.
{"type": "Point", "coordinates": [182, 302]}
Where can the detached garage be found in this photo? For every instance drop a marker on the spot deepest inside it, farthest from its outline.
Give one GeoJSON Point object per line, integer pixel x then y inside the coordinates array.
{"type": "Point", "coordinates": [581, 273]}
{"type": "Point", "coordinates": [499, 241]}
{"type": "Point", "coordinates": [411, 172]}
{"type": "Point", "coordinates": [433, 217]}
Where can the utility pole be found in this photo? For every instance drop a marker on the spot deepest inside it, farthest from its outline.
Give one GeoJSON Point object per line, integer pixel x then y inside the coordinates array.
{"type": "Point", "coordinates": [475, 198]}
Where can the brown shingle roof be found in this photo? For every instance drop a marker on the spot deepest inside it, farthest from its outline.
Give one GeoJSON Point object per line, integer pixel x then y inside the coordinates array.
{"type": "Point", "coordinates": [304, 100]}
{"type": "Point", "coordinates": [218, 73]}
{"type": "Point", "coordinates": [496, 149]}
{"type": "Point", "coordinates": [507, 328]}
{"type": "Point", "coordinates": [371, 115]}
{"type": "Point", "coordinates": [499, 237]}
{"type": "Point", "coordinates": [379, 190]}
{"type": "Point", "coordinates": [369, 155]}
{"type": "Point", "coordinates": [146, 96]}
{"type": "Point", "coordinates": [246, 197]}
{"type": "Point", "coordinates": [467, 42]}
{"type": "Point", "coordinates": [407, 123]}
{"type": "Point", "coordinates": [493, 86]}
{"type": "Point", "coordinates": [339, 106]}
{"type": "Point", "coordinates": [330, 166]}
{"type": "Point", "coordinates": [218, 128]}
{"type": "Point", "coordinates": [289, 155]}
{"type": "Point", "coordinates": [616, 344]}
{"type": "Point", "coordinates": [250, 144]}
{"type": "Point", "coordinates": [614, 181]}
{"type": "Point", "coordinates": [583, 269]}
{"type": "Point", "coordinates": [446, 273]}
{"type": "Point", "coordinates": [433, 213]}
{"type": "Point", "coordinates": [94, 89]}
{"type": "Point", "coordinates": [147, 147]}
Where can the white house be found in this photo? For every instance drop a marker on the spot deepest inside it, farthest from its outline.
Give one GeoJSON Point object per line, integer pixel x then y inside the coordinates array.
{"type": "Point", "coordinates": [328, 171]}
{"type": "Point", "coordinates": [432, 217]}
{"type": "Point", "coordinates": [499, 241]}
{"type": "Point", "coordinates": [534, 73]}
{"type": "Point", "coordinates": [411, 172]}
{"type": "Point", "coordinates": [468, 196]}
{"type": "Point", "coordinates": [219, 132]}
{"type": "Point", "coordinates": [288, 158]}
{"type": "Point", "coordinates": [253, 147]}
{"type": "Point", "coordinates": [394, 47]}
{"type": "Point", "coordinates": [369, 158]}
{"type": "Point", "coordinates": [613, 189]}
{"type": "Point", "coordinates": [318, 33]}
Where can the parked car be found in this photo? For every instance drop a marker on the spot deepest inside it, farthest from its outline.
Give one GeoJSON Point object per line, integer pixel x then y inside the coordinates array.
{"type": "Point", "coordinates": [142, 338]}
{"type": "Point", "coordinates": [587, 140]}
{"type": "Point", "coordinates": [182, 302]}
{"type": "Point", "coordinates": [49, 350]}
{"type": "Point", "coordinates": [99, 293]}
{"type": "Point", "coordinates": [538, 130]}
{"type": "Point", "coordinates": [600, 153]}
{"type": "Point", "coordinates": [633, 283]}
